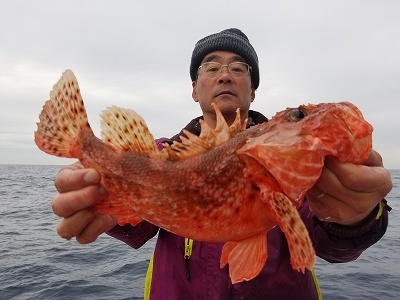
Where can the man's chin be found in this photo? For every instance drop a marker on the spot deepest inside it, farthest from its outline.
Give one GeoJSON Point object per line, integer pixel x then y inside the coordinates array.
{"type": "Point", "coordinates": [227, 106]}
{"type": "Point", "coordinates": [226, 100]}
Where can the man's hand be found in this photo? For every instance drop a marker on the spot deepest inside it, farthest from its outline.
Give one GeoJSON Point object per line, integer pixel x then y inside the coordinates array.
{"type": "Point", "coordinates": [79, 190]}
{"type": "Point", "coordinates": [347, 193]}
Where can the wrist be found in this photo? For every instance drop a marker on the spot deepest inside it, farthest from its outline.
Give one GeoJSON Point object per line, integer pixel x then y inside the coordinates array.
{"type": "Point", "coordinates": [375, 214]}
{"type": "Point", "coordinates": [371, 217]}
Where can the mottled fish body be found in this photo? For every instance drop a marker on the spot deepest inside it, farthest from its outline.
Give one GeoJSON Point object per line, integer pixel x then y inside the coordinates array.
{"type": "Point", "coordinates": [227, 185]}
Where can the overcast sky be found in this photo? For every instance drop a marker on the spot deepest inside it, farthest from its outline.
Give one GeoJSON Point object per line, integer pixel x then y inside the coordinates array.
{"type": "Point", "coordinates": [136, 54]}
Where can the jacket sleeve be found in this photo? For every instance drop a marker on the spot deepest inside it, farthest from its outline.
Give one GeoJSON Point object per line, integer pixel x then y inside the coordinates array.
{"type": "Point", "coordinates": [336, 243]}
{"type": "Point", "coordinates": [134, 236]}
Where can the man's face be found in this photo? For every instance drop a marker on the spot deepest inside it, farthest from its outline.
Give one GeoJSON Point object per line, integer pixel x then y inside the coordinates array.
{"type": "Point", "coordinates": [227, 91]}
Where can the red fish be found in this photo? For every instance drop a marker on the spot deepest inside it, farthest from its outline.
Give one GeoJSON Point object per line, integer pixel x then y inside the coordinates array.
{"type": "Point", "coordinates": [228, 184]}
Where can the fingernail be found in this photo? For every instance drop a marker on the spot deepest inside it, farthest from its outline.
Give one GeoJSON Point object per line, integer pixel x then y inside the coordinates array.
{"type": "Point", "coordinates": [91, 176]}
{"type": "Point", "coordinates": [101, 190]}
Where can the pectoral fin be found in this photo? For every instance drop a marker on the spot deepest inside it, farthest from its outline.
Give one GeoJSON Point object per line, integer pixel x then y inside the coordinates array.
{"type": "Point", "coordinates": [302, 254]}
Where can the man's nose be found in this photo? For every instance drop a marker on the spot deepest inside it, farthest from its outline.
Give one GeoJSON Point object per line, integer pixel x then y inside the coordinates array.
{"type": "Point", "coordinates": [224, 75]}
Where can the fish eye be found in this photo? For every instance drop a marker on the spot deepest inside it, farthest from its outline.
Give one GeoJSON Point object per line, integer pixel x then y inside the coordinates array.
{"type": "Point", "coordinates": [297, 114]}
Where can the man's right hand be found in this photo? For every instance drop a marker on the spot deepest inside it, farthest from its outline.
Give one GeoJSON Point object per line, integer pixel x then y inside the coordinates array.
{"type": "Point", "coordinates": [79, 190]}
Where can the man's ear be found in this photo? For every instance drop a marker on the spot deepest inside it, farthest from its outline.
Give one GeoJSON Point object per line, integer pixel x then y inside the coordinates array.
{"type": "Point", "coordinates": [194, 91]}
{"type": "Point", "coordinates": [252, 93]}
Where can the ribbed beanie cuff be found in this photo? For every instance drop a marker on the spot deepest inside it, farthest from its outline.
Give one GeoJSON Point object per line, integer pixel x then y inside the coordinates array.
{"type": "Point", "coordinates": [232, 40]}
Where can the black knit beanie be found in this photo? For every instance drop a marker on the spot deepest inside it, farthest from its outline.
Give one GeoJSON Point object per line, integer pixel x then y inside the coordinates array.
{"type": "Point", "coordinates": [232, 40]}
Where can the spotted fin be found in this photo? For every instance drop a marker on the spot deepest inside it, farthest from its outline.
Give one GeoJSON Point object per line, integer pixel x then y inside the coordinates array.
{"type": "Point", "coordinates": [245, 258]}
{"type": "Point", "coordinates": [302, 254]}
{"type": "Point", "coordinates": [62, 119]}
{"type": "Point", "coordinates": [193, 145]}
{"type": "Point", "coordinates": [125, 129]}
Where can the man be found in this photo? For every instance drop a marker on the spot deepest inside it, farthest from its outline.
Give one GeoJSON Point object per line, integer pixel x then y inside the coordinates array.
{"type": "Point", "coordinates": [343, 211]}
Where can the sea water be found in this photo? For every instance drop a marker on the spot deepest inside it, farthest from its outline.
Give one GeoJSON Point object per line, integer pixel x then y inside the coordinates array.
{"type": "Point", "coordinates": [35, 263]}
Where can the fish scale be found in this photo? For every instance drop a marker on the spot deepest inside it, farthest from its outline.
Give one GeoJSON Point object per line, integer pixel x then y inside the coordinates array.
{"type": "Point", "coordinates": [226, 185]}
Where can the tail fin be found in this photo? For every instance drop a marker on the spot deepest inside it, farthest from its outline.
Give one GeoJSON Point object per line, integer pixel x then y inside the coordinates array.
{"type": "Point", "coordinates": [62, 118]}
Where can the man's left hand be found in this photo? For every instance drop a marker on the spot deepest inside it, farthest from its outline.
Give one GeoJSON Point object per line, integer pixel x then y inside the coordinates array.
{"type": "Point", "coordinates": [346, 193]}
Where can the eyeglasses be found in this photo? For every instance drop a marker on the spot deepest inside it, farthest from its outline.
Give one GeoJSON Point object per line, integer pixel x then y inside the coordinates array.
{"type": "Point", "coordinates": [236, 69]}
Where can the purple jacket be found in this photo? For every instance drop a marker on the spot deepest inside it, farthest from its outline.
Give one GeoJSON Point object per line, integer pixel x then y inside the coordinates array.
{"type": "Point", "coordinates": [277, 280]}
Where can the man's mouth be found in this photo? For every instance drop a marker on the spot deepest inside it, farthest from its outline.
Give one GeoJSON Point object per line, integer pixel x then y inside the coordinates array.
{"type": "Point", "coordinates": [224, 93]}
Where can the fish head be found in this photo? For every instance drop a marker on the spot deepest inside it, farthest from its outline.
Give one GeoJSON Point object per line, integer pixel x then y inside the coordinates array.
{"type": "Point", "coordinates": [295, 142]}
{"type": "Point", "coordinates": [337, 129]}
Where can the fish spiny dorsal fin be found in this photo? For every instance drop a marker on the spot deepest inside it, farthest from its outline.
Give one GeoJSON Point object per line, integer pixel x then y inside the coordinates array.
{"type": "Point", "coordinates": [190, 146]}
{"type": "Point", "coordinates": [62, 118]}
{"type": "Point", "coordinates": [125, 129]}
{"type": "Point", "coordinates": [222, 127]}
{"type": "Point", "coordinates": [222, 131]}
{"type": "Point", "coordinates": [236, 126]}
{"type": "Point", "coordinates": [209, 138]}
